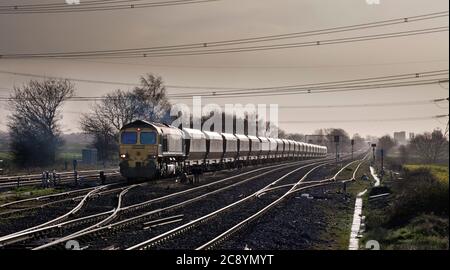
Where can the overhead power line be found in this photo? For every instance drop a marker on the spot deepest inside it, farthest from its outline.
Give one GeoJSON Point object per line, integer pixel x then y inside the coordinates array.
{"type": "Point", "coordinates": [152, 54]}
{"type": "Point", "coordinates": [83, 3]}
{"type": "Point", "coordinates": [380, 104]}
{"type": "Point", "coordinates": [232, 90]}
{"type": "Point", "coordinates": [365, 105]}
{"type": "Point", "coordinates": [275, 93]}
{"type": "Point", "coordinates": [123, 55]}
{"type": "Point", "coordinates": [93, 6]}
{"type": "Point", "coordinates": [271, 47]}
{"type": "Point", "coordinates": [391, 81]}
{"type": "Point", "coordinates": [306, 66]}
{"type": "Point", "coordinates": [327, 90]}
{"type": "Point", "coordinates": [434, 117]}
{"type": "Point", "coordinates": [311, 86]}
{"type": "Point", "coordinates": [32, 75]}
{"type": "Point", "coordinates": [223, 46]}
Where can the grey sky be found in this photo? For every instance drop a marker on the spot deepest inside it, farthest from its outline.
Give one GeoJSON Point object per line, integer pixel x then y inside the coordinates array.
{"type": "Point", "coordinates": [231, 19]}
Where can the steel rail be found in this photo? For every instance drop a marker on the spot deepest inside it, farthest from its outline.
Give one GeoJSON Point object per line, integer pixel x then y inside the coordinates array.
{"type": "Point", "coordinates": [294, 188]}
{"type": "Point", "coordinates": [39, 176]}
{"type": "Point", "coordinates": [42, 231]}
{"type": "Point", "coordinates": [57, 219]}
{"type": "Point", "coordinates": [161, 211]}
{"type": "Point", "coordinates": [65, 179]}
{"type": "Point", "coordinates": [113, 215]}
{"type": "Point", "coordinates": [201, 220]}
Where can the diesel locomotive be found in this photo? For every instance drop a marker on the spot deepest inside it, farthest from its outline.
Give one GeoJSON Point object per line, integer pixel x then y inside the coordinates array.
{"type": "Point", "coordinates": [151, 150]}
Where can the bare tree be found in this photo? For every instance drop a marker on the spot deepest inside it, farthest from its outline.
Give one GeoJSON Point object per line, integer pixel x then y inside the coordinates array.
{"type": "Point", "coordinates": [431, 147]}
{"type": "Point", "coordinates": [386, 143]}
{"type": "Point", "coordinates": [146, 102]}
{"type": "Point", "coordinates": [103, 132]}
{"type": "Point", "coordinates": [296, 137]}
{"type": "Point", "coordinates": [328, 135]}
{"type": "Point", "coordinates": [151, 99]}
{"type": "Point", "coordinates": [34, 121]}
{"type": "Point", "coordinates": [360, 142]}
{"type": "Point", "coordinates": [404, 154]}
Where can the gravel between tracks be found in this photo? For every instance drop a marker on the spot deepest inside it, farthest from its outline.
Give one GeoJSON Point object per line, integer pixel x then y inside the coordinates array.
{"type": "Point", "coordinates": [136, 234]}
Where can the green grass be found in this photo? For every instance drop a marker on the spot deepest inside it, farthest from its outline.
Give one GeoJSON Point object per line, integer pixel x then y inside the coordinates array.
{"type": "Point", "coordinates": [34, 191]}
{"type": "Point", "coordinates": [440, 172]}
{"type": "Point", "coordinates": [425, 232]}
{"type": "Point", "coordinates": [338, 228]}
{"type": "Point", "coordinates": [415, 216]}
{"type": "Point", "coordinates": [340, 220]}
{"type": "Point", "coordinates": [5, 155]}
{"type": "Point", "coordinates": [69, 156]}
{"type": "Point", "coordinates": [21, 193]}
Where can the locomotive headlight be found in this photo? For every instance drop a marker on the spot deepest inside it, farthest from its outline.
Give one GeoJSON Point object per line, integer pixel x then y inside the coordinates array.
{"type": "Point", "coordinates": [123, 156]}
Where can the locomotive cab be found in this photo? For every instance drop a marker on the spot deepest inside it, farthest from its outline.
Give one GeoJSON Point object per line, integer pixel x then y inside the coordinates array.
{"type": "Point", "coordinates": [145, 149]}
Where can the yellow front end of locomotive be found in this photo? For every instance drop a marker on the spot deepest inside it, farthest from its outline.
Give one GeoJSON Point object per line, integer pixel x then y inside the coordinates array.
{"type": "Point", "coordinates": [139, 149]}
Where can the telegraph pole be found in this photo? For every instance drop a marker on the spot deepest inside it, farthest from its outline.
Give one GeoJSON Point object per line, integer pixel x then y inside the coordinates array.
{"type": "Point", "coordinates": [353, 143]}
{"type": "Point", "coordinates": [374, 145]}
{"type": "Point", "coordinates": [336, 141]}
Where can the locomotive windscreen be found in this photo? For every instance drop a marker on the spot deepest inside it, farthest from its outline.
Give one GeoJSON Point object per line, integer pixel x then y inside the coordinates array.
{"type": "Point", "coordinates": [128, 137]}
{"type": "Point", "coordinates": [148, 138]}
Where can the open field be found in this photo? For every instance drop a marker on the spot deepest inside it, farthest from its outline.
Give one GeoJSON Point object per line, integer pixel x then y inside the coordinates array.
{"type": "Point", "coordinates": [440, 172]}
{"type": "Point", "coordinates": [415, 215]}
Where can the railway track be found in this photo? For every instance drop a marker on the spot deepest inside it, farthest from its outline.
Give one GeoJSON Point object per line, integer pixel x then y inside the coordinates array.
{"type": "Point", "coordinates": [62, 178]}
{"type": "Point", "coordinates": [206, 221]}
{"type": "Point", "coordinates": [294, 189]}
{"type": "Point", "coordinates": [22, 206]}
{"type": "Point", "coordinates": [42, 231]}
{"type": "Point", "coordinates": [98, 223]}
{"type": "Point", "coordinates": [57, 222]}
{"type": "Point", "coordinates": [88, 236]}
{"type": "Point", "coordinates": [30, 204]}
{"type": "Point", "coordinates": [171, 238]}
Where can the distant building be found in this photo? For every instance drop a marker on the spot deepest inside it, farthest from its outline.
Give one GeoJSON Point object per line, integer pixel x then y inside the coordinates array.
{"type": "Point", "coordinates": [400, 137]}
{"type": "Point", "coordinates": [411, 136]}
{"type": "Point", "coordinates": [89, 156]}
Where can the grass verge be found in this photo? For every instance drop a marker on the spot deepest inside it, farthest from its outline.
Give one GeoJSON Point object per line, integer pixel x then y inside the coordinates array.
{"type": "Point", "coordinates": [415, 216]}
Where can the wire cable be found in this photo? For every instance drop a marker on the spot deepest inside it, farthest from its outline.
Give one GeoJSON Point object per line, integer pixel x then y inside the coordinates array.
{"type": "Point", "coordinates": [318, 91]}
{"type": "Point", "coordinates": [365, 120]}
{"type": "Point", "coordinates": [87, 7]}
{"type": "Point", "coordinates": [182, 48]}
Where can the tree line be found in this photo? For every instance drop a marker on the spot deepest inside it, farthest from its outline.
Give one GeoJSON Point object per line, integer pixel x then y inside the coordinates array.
{"type": "Point", "coordinates": [428, 147]}
{"type": "Point", "coordinates": [36, 111]}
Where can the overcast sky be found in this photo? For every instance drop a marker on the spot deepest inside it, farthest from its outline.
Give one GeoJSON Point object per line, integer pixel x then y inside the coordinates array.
{"type": "Point", "coordinates": [233, 19]}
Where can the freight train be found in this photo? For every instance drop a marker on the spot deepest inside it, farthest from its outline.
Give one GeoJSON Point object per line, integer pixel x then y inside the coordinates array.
{"type": "Point", "coordinates": [151, 150]}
